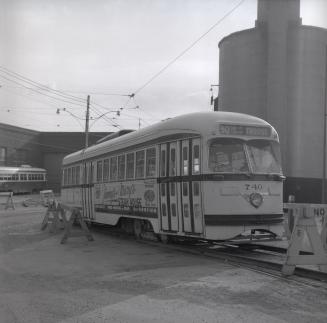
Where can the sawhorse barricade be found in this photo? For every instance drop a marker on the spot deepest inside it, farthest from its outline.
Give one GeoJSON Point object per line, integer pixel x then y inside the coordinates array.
{"type": "Point", "coordinates": [76, 216]}
{"type": "Point", "coordinates": [52, 219]}
{"type": "Point", "coordinates": [10, 202]}
{"type": "Point", "coordinates": [56, 217]}
{"type": "Point", "coordinates": [303, 225]}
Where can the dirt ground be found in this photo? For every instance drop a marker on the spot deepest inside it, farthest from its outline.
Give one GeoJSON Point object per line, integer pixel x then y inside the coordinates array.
{"type": "Point", "coordinates": [115, 279]}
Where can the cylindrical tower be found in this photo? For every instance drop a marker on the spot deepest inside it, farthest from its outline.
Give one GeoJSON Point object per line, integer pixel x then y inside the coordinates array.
{"type": "Point", "coordinates": [276, 71]}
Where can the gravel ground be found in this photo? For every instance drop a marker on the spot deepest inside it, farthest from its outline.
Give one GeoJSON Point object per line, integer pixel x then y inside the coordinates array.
{"type": "Point", "coordinates": [115, 279]}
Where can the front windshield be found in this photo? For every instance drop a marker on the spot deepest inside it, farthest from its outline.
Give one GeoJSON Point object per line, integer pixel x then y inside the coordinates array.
{"type": "Point", "coordinates": [264, 156]}
{"type": "Point", "coordinates": [227, 155]}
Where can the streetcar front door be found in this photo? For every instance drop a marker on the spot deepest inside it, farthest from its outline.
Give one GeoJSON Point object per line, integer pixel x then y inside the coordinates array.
{"type": "Point", "coordinates": [88, 191]}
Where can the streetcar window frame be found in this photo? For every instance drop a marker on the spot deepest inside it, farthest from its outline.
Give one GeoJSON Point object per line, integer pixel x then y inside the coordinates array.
{"type": "Point", "coordinates": [113, 168]}
{"type": "Point", "coordinates": [151, 162]}
{"type": "Point", "coordinates": [99, 178]}
{"type": "Point", "coordinates": [196, 167]}
{"type": "Point", "coordinates": [121, 166]}
{"type": "Point", "coordinates": [226, 158]}
{"type": "Point", "coordinates": [130, 165]}
{"type": "Point", "coordinates": [106, 170]}
{"type": "Point", "coordinates": [23, 177]}
{"type": "Point", "coordinates": [185, 160]}
{"type": "Point", "coordinates": [73, 175]}
{"type": "Point", "coordinates": [140, 164]}
{"type": "Point", "coordinates": [173, 162]}
{"type": "Point", "coordinates": [163, 162]}
{"type": "Point", "coordinates": [78, 174]}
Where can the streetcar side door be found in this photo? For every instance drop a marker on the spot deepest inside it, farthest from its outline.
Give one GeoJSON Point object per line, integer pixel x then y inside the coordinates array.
{"type": "Point", "coordinates": [168, 188]}
{"type": "Point", "coordinates": [190, 186]}
{"type": "Point", "coordinates": [88, 190]}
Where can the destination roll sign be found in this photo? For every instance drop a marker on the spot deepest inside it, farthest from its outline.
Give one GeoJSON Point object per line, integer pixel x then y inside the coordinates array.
{"type": "Point", "coordinates": [241, 130]}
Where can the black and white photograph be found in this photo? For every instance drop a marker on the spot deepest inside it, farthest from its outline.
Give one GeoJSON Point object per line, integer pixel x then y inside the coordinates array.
{"type": "Point", "coordinates": [163, 161]}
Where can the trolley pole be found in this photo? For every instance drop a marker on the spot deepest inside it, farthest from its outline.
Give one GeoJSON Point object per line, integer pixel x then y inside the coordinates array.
{"type": "Point", "coordinates": [87, 119]}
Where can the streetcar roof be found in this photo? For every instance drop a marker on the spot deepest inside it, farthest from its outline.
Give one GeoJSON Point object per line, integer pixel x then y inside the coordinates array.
{"type": "Point", "coordinates": [198, 123]}
{"type": "Point", "coordinates": [8, 170]}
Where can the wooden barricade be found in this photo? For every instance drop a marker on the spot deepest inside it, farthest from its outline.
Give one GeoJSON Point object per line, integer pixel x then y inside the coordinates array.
{"type": "Point", "coordinates": [305, 230]}
{"type": "Point", "coordinates": [9, 202]}
{"type": "Point", "coordinates": [75, 217]}
{"type": "Point", "coordinates": [52, 219]}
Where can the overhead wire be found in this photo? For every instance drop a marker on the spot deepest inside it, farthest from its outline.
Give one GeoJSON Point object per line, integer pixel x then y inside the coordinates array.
{"type": "Point", "coordinates": [34, 90]}
{"type": "Point", "coordinates": [39, 85]}
{"type": "Point", "coordinates": [187, 48]}
{"type": "Point", "coordinates": [63, 97]}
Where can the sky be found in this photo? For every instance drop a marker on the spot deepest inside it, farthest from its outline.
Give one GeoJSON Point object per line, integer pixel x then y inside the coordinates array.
{"type": "Point", "coordinates": [55, 53]}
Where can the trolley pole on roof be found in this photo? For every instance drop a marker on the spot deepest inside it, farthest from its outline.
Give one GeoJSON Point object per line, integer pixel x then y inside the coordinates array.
{"type": "Point", "coordinates": [87, 119]}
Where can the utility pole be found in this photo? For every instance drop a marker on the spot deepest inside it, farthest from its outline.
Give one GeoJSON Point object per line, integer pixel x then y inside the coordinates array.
{"type": "Point", "coordinates": [323, 187]}
{"type": "Point", "coordinates": [87, 119]}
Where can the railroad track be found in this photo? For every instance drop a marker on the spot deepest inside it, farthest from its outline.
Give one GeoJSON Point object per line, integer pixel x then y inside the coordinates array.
{"type": "Point", "coordinates": [265, 258]}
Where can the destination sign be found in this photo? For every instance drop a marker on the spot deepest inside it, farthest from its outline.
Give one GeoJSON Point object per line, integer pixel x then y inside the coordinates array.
{"type": "Point", "coordinates": [242, 130]}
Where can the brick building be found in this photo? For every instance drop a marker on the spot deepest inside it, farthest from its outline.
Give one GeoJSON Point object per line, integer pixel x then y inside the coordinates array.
{"type": "Point", "coordinates": [20, 146]}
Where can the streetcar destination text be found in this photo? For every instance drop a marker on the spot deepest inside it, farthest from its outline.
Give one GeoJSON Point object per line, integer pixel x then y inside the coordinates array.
{"type": "Point", "coordinates": [241, 130]}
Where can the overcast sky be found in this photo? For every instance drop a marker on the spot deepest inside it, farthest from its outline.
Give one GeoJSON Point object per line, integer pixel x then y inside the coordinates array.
{"type": "Point", "coordinates": [114, 47]}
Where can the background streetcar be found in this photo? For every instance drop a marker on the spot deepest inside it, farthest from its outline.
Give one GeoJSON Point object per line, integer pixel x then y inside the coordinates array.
{"type": "Point", "coordinates": [24, 179]}
{"type": "Point", "coordinates": [210, 175]}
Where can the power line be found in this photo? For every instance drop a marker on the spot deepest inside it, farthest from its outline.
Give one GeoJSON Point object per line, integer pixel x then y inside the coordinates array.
{"type": "Point", "coordinates": [98, 93]}
{"type": "Point", "coordinates": [187, 49]}
{"type": "Point", "coordinates": [40, 86]}
{"type": "Point", "coordinates": [34, 90]}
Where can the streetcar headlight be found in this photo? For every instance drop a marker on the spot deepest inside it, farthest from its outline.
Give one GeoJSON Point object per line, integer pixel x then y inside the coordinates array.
{"type": "Point", "coordinates": [256, 199]}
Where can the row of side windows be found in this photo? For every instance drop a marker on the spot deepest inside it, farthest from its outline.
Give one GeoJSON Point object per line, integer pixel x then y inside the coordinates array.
{"type": "Point", "coordinates": [132, 165]}
{"type": "Point", "coordinates": [71, 175]}
{"type": "Point", "coordinates": [138, 164]}
{"type": "Point", "coordinates": [22, 177]}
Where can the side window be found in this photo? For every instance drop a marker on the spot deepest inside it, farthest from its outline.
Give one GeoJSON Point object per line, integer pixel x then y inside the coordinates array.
{"type": "Point", "coordinates": [78, 174]}
{"type": "Point", "coordinates": [196, 159]}
{"type": "Point", "coordinates": [99, 171]}
{"type": "Point", "coordinates": [73, 175]}
{"type": "Point", "coordinates": [150, 162]}
{"type": "Point", "coordinates": [185, 160]}
{"type": "Point", "coordinates": [139, 164]}
{"type": "Point", "coordinates": [106, 170]}
{"type": "Point", "coordinates": [121, 167]}
{"type": "Point", "coordinates": [69, 176]}
{"type": "Point", "coordinates": [172, 163]}
{"type": "Point", "coordinates": [163, 163]}
{"type": "Point", "coordinates": [113, 168]}
{"type": "Point", "coordinates": [22, 177]}
{"type": "Point", "coordinates": [130, 161]}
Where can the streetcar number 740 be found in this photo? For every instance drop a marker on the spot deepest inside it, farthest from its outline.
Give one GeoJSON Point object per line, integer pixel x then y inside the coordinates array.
{"type": "Point", "coordinates": [253, 187]}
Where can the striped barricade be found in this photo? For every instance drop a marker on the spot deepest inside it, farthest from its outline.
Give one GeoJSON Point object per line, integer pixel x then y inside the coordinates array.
{"type": "Point", "coordinates": [307, 226]}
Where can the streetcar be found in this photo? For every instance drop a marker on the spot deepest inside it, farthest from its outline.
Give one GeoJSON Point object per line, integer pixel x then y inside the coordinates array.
{"type": "Point", "coordinates": [205, 175]}
{"type": "Point", "coordinates": [22, 180]}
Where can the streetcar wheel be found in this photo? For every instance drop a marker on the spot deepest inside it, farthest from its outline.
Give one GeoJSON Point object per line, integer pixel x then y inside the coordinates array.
{"type": "Point", "coordinates": [164, 238]}
{"type": "Point", "coordinates": [138, 229]}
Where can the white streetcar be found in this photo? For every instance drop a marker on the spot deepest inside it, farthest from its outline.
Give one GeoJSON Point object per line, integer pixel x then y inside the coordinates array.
{"type": "Point", "coordinates": [23, 179]}
{"type": "Point", "coordinates": [210, 175]}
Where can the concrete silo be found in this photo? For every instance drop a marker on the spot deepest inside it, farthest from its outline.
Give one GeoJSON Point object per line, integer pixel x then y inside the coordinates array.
{"type": "Point", "coordinates": [277, 71]}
